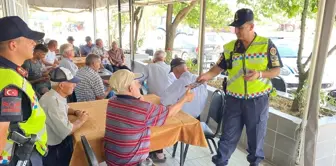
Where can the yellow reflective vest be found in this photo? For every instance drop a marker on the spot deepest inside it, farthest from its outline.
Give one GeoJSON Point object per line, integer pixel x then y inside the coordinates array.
{"type": "Point", "coordinates": [254, 58]}
{"type": "Point", "coordinates": [35, 124]}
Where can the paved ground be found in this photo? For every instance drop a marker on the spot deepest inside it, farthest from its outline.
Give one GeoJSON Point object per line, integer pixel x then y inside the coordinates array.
{"type": "Point", "coordinates": [198, 156]}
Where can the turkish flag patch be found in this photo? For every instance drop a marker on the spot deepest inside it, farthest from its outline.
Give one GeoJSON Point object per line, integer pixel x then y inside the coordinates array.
{"type": "Point", "coordinates": [11, 92]}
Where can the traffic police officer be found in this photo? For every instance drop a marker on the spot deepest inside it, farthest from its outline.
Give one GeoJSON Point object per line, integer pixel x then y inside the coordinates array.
{"type": "Point", "coordinates": [251, 62]}
{"type": "Point", "coordinates": [16, 93]}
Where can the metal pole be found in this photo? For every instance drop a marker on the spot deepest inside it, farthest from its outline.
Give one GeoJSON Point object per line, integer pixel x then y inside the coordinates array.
{"type": "Point", "coordinates": [325, 22]}
{"type": "Point", "coordinates": [94, 19]}
{"type": "Point", "coordinates": [131, 33]}
{"type": "Point", "coordinates": [108, 23]}
{"type": "Point", "coordinates": [201, 37]}
{"type": "Point", "coordinates": [119, 24]}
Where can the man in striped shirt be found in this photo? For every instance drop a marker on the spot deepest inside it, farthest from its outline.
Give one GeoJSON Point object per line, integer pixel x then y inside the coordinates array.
{"type": "Point", "coordinates": [128, 118]}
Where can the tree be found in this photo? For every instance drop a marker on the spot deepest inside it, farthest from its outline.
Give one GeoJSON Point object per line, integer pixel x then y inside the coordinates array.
{"type": "Point", "coordinates": [137, 19]}
{"type": "Point", "coordinates": [172, 25]}
{"type": "Point", "coordinates": [114, 27]}
{"type": "Point", "coordinates": [189, 13]}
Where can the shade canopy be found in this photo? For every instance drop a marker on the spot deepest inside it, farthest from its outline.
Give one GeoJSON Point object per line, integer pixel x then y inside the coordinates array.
{"type": "Point", "coordinates": [87, 4]}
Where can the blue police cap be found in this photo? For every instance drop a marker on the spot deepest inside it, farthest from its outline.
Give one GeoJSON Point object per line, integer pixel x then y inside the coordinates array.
{"type": "Point", "coordinates": [13, 27]}
{"type": "Point", "coordinates": [242, 16]}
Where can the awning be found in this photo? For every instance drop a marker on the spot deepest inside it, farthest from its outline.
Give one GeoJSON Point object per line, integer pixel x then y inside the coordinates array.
{"type": "Point", "coordinates": [75, 4]}
{"type": "Point", "coordinates": [86, 4]}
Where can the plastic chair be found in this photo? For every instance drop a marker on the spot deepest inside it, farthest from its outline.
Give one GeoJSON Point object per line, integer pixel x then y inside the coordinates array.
{"type": "Point", "coordinates": [279, 84]}
{"type": "Point", "coordinates": [216, 112]}
{"type": "Point", "coordinates": [91, 157]}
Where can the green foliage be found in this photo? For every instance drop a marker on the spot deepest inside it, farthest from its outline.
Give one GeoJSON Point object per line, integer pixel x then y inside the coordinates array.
{"type": "Point", "coordinates": [270, 9]}
{"type": "Point", "coordinates": [57, 24]}
{"type": "Point", "coordinates": [191, 66]}
{"type": "Point", "coordinates": [218, 14]}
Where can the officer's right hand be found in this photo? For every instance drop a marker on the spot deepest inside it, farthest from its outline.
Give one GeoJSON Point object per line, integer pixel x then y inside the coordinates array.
{"type": "Point", "coordinates": [203, 78]}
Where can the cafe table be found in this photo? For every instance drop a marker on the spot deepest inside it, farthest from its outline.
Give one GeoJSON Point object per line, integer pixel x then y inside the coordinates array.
{"type": "Point", "coordinates": [79, 61]}
{"type": "Point", "coordinates": [181, 127]}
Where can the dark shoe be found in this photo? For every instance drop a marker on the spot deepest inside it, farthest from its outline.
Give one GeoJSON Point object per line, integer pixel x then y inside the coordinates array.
{"type": "Point", "coordinates": [155, 159]}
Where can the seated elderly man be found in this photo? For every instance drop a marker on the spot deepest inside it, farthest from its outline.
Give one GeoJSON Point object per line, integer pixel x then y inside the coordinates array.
{"type": "Point", "coordinates": [86, 49]}
{"type": "Point", "coordinates": [59, 127]}
{"type": "Point", "coordinates": [37, 74]}
{"type": "Point", "coordinates": [91, 86]}
{"type": "Point", "coordinates": [129, 117]}
{"type": "Point", "coordinates": [71, 40]}
{"type": "Point", "coordinates": [68, 53]}
{"type": "Point", "coordinates": [177, 88]}
{"type": "Point", "coordinates": [117, 57]}
{"type": "Point", "coordinates": [157, 74]}
{"type": "Point", "coordinates": [98, 49]}
{"type": "Point", "coordinates": [158, 80]}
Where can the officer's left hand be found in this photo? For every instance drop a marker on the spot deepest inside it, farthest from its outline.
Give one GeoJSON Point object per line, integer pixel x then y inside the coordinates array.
{"type": "Point", "coordinates": [251, 75]}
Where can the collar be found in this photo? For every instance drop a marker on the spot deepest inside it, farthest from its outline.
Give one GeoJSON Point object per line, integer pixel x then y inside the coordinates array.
{"type": "Point", "coordinates": [57, 95]}
{"type": "Point", "coordinates": [240, 45]}
{"type": "Point", "coordinates": [67, 59]}
{"type": "Point", "coordinates": [9, 64]}
{"type": "Point", "coordinates": [127, 97]}
{"type": "Point", "coordinates": [90, 69]}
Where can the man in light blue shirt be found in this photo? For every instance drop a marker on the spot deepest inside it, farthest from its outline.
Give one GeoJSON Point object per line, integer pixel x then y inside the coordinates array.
{"type": "Point", "coordinates": [68, 53]}
{"type": "Point", "coordinates": [176, 90]}
{"type": "Point", "coordinates": [157, 74]}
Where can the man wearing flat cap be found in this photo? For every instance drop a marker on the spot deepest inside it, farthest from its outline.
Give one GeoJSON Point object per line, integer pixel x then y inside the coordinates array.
{"type": "Point", "coordinates": [129, 118]}
{"type": "Point", "coordinates": [71, 40]}
{"type": "Point", "coordinates": [18, 101]}
{"type": "Point", "coordinates": [251, 62]}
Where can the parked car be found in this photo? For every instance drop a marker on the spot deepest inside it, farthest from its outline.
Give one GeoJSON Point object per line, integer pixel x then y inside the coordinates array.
{"type": "Point", "coordinates": [288, 52]}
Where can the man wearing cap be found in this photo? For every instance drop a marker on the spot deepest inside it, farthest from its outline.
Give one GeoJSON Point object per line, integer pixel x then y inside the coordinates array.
{"type": "Point", "coordinates": [129, 117]}
{"type": "Point", "coordinates": [251, 62]}
{"type": "Point", "coordinates": [86, 49]}
{"type": "Point", "coordinates": [16, 94]}
{"type": "Point", "coordinates": [76, 49]}
{"type": "Point", "coordinates": [176, 90]}
{"type": "Point", "coordinates": [59, 127]}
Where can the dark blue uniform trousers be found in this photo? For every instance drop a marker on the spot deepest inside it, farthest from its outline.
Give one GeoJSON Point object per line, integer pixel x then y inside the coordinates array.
{"type": "Point", "coordinates": [253, 113]}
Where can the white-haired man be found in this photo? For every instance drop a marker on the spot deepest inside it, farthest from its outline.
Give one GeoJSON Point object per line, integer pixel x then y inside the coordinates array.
{"type": "Point", "coordinates": [157, 74]}
{"type": "Point", "coordinates": [59, 127]}
{"type": "Point", "coordinates": [68, 53]}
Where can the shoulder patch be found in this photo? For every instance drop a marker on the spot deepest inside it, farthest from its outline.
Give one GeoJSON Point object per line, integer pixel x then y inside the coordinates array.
{"type": "Point", "coordinates": [273, 51]}
{"type": "Point", "coordinates": [11, 92]}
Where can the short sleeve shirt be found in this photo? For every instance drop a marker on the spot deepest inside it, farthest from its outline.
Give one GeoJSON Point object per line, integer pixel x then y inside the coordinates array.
{"type": "Point", "coordinates": [68, 64]}
{"type": "Point", "coordinates": [86, 50]}
{"type": "Point", "coordinates": [56, 109]}
{"type": "Point", "coordinates": [34, 69]}
{"type": "Point", "coordinates": [273, 56]}
{"type": "Point", "coordinates": [50, 57]}
{"type": "Point", "coordinates": [101, 52]}
{"type": "Point", "coordinates": [90, 86]}
{"type": "Point", "coordinates": [127, 134]}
